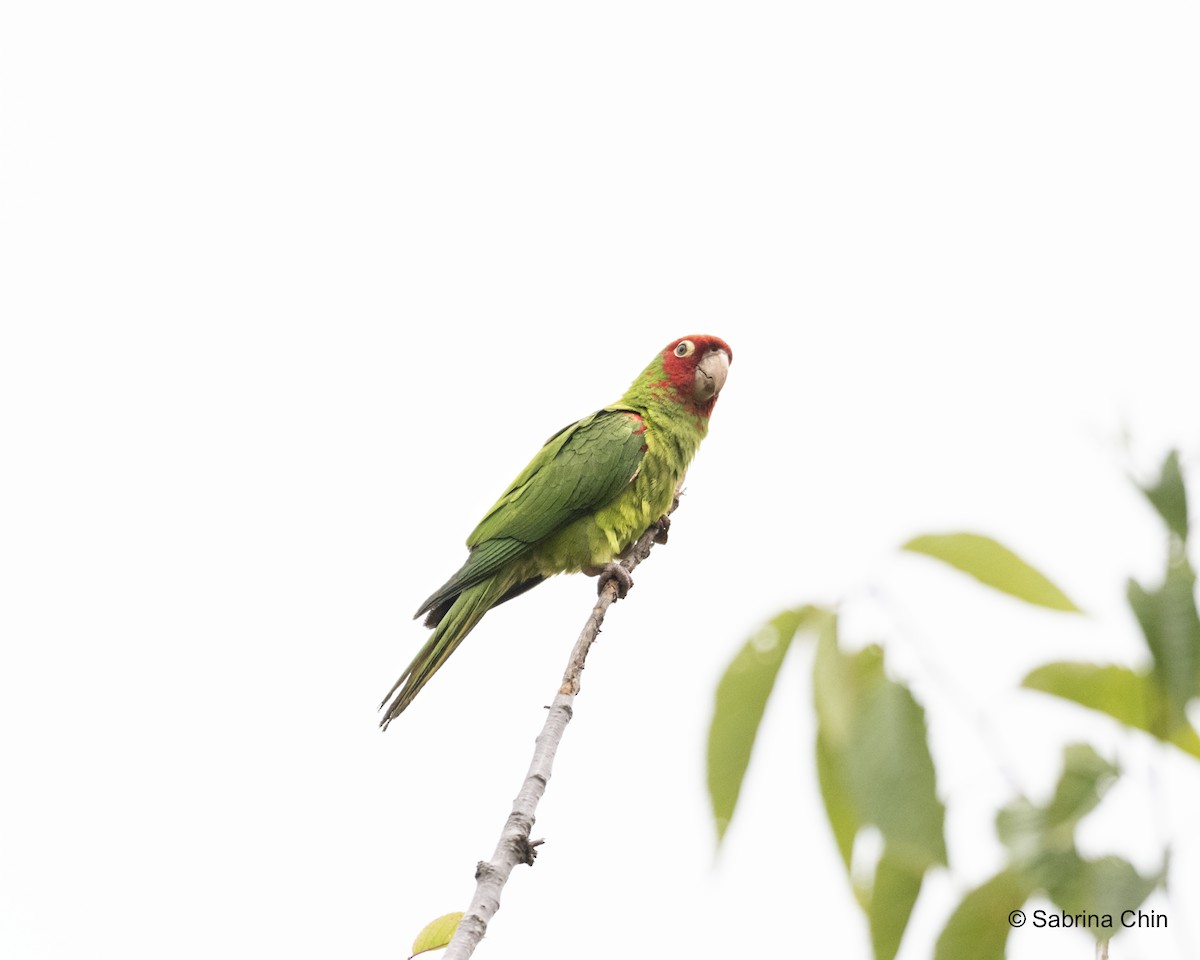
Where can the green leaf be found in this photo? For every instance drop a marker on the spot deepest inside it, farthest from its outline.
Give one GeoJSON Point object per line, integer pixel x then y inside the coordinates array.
{"type": "Point", "coordinates": [874, 769]}
{"type": "Point", "coordinates": [1041, 840]}
{"type": "Point", "coordinates": [1105, 886]}
{"type": "Point", "coordinates": [1019, 826]}
{"type": "Point", "coordinates": [835, 792]}
{"type": "Point", "coordinates": [1135, 699]}
{"type": "Point", "coordinates": [1043, 857]}
{"type": "Point", "coordinates": [897, 884]}
{"type": "Point", "coordinates": [741, 700]}
{"type": "Point", "coordinates": [979, 926]}
{"type": "Point", "coordinates": [873, 734]}
{"type": "Point", "coordinates": [1085, 779]}
{"type": "Point", "coordinates": [1169, 496]}
{"type": "Point", "coordinates": [1031, 832]}
{"type": "Point", "coordinates": [891, 772]}
{"type": "Point", "coordinates": [437, 933]}
{"type": "Point", "coordinates": [993, 564]}
{"type": "Point", "coordinates": [1171, 626]}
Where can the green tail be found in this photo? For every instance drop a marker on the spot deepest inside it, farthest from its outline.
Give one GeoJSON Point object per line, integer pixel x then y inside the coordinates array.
{"type": "Point", "coordinates": [466, 611]}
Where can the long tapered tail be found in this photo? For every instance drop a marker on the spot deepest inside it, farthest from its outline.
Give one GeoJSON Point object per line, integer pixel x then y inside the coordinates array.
{"type": "Point", "coordinates": [459, 620]}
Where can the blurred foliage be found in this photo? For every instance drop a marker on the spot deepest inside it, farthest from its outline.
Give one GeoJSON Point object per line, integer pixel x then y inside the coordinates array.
{"type": "Point", "coordinates": [1131, 696]}
{"type": "Point", "coordinates": [875, 769]}
{"type": "Point", "coordinates": [993, 564]}
{"type": "Point", "coordinates": [1042, 858]}
{"type": "Point", "coordinates": [741, 699]}
{"type": "Point", "coordinates": [876, 772]}
{"type": "Point", "coordinates": [1153, 698]}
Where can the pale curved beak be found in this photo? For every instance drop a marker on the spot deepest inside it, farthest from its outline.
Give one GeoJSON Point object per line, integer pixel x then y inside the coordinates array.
{"type": "Point", "coordinates": [711, 372]}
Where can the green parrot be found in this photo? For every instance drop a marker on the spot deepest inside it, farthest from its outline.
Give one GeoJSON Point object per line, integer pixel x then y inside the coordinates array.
{"type": "Point", "coordinates": [589, 494]}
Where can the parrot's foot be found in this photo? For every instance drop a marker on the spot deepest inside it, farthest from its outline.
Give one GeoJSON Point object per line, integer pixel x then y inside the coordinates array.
{"type": "Point", "coordinates": [615, 572]}
{"type": "Point", "coordinates": [664, 525]}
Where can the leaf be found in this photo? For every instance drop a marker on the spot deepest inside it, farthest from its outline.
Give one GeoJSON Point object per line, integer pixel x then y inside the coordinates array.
{"type": "Point", "coordinates": [897, 884]}
{"type": "Point", "coordinates": [874, 769]}
{"type": "Point", "coordinates": [1135, 699]}
{"type": "Point", "coordinates": [1171, 627]}
{"type": "Point", "coordinates": [1043, 857]}
{"type": "Point", "coordinates": [1169, 496]}
{"type": "Point", "coordinates": [741, 700]}
{"type": "Point", "coordinates": [1042, 849]}
{"type": "Point", "coordinates": [1019, 826]}
{"type": "Point", "coordinates": [1108, 885]}
{"type": "Point", "coordinates": [437, 933]}
{"type": "Point", "coordinates": [892, 775]}
{"type": "Point", "coordinates": [979, 926]}
{"type": "Point", "coordinates": [1035, 835]}
{"type": "Point", "coordinates": [839, 804]}
{"type": "Point", "coordinates": [1085, 779]}
{"type": "Point", "coordinates": [993, 564]}
{"type": "Point", "coordinates": [873, 734]}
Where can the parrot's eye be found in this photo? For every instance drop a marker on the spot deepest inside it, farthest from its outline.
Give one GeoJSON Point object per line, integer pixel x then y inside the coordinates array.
{"type": "Point", "coordinates": [685, 348]}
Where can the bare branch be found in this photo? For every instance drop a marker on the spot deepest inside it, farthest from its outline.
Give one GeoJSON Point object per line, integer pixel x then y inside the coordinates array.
{"type": "Point", "coordinates": [515, 846]}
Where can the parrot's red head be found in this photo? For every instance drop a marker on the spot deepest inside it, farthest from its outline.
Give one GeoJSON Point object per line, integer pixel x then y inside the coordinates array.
{"type": "Point", "coordinates": [696, 368]}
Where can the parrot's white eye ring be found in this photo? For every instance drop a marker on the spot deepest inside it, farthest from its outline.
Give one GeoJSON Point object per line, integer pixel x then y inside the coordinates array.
{"type": "Point", "coordinates": [685, 348]}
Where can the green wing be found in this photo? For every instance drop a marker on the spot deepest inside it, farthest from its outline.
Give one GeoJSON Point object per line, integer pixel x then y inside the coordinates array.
{"type": "Point", "coordinates": [581, 468]}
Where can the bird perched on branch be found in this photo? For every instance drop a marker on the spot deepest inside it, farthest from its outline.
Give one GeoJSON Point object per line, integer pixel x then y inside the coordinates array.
{"type": "Point", "coordinates": [588, 495]}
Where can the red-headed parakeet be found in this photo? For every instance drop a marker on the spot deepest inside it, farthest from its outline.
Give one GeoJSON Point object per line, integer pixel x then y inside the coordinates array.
{"type": "Point", "coordinates": [589, 494]}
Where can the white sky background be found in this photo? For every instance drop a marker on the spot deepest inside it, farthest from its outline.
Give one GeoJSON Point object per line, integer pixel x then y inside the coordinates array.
{"type": "Point", "coordinates": [291, 291]}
